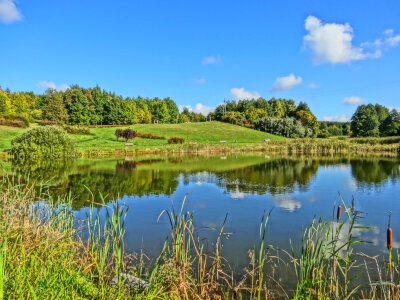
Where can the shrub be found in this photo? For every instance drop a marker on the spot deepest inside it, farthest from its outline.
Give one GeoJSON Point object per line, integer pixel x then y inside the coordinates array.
{"type": "Point", "coordinates": [151, 136]}
{"type": "Point", "coordinates": [176, 140]}
{"type": "Point", "coordinates": [128, 134]}
{"type": "Point", "coordinates": [48, 141]}
{"type": "Point", "coordinates": [77, 130]}
{"type": "Point", "coordinates": [323, 134]}
{"type": "Point", "coordinates": [288, 127]}
{"type": "Point", "coordinates": [12, 123]}
{"type": "Point", "coordinates": [15, 116]}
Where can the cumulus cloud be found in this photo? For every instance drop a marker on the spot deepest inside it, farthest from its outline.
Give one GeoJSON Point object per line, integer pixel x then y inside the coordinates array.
{"type": "Point", "coordinates": [199, 81]}
{"type": "Point", "coordinates": [9, 12]}
{"type": "Point", "coordinates": [198, 109]}
{"type": "Point", "coordinates": [388, 40]}
{"type": "Point", "coordinates": [341, 118]}
{"type": "Point", "coordinates": [211, 60]}
{"type": "Point", "coordinates": [286, 83]}
{"type": "Point", "coordinates": [353, 100]}
{"type": "Point", "coordinates": [51, 85]}
{"type": "Point", "coordinates": [313, 85]}
{"type": "Point", "coordinates": [332, 43]}
{"type": "Point", "coordinates": [242, 94]}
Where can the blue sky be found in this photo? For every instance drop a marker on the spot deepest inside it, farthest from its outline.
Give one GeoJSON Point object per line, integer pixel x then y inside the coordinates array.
{"type": "Point", "coordinates": [332, 54]}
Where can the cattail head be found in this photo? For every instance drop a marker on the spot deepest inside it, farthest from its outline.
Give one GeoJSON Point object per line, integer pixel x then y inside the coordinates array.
{"type": "Point", "coordinates": [389, 234]}
{"type": "Point", "coordinates": [389, 238]}
{"type": "Point", "coordinates": [339, 212]}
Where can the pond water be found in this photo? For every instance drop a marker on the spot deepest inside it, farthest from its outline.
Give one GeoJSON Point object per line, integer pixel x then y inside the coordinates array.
{"type": "Point", "coordinates": [242, 186]}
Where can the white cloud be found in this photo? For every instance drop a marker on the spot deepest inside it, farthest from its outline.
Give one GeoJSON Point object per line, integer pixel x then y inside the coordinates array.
{"type": "Point", "coordinates": [242, 94]}
{"type": "Point", "coordinates": [51, 85]}
{"type": "Point", "coordinates": [341, 118]}
{"type": "Point", "coordinates": [388, 40]}
{"type": "Point", "coordinates": [353, 100]}
{"type": "Point", "coordinates": [313, 85]}
{"type": "Point", "coordinates": [198, 109]}
{"type": "Point", "coordinates": [390, 108]}
{"type": "Point", "coordinates": [286, 83]}
{"type": "Point", "coordinates": [211, 60]}
{"type": "Point", "coordinates": [332, 43]}
{"type": "Point", "coordinates": [199, 80]}
{"type": "Point", "coordinates": [9, 12]}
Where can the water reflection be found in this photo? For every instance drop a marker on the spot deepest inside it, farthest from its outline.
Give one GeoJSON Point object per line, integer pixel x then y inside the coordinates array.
{"type": "Point", "coordinates": [237, 175]}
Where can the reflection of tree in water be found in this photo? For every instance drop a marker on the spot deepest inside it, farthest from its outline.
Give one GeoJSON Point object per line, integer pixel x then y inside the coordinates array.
{"type": "Point", "coordinates": [374, 172]}
{"type": "Point", "coordinates": [48, 171]}
{"type": "Point", "coordinates": [111, 185]}
{"type": "Point", "coordinates": [128, 177]}
{"type": "Point", "coordinates": [63, 176]}
{"type": "Point", "coordinates": [277, 176]}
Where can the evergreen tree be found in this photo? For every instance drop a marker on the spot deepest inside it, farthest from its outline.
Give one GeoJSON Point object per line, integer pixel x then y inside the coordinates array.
{"type": "Point", "coordinates": [55, 109]}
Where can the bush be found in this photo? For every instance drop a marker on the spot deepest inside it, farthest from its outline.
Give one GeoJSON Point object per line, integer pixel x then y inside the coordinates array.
{"type": "Point", "coordinates": [323, 134]}
{"type": "Point", "coordinates": [128, 134]}
{"type": "Point", "coordinates": [77, 130]}
{"type": "Point", "coordinates": [176, 140]}
{"type": "Point", "coordinates": [12, 123]}
{"type": "Point", "coordinates": [288, 127]}
{"type": "Point", "coordinates": [151, 136]}
{"type": "Point", "coordinates": [14, 116]}
{"type": "Point", "coordinates": [49, 141]}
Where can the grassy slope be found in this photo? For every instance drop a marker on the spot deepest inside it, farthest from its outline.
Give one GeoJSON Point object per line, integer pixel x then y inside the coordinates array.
{"type": "Point", "coordinates": [203, 133]}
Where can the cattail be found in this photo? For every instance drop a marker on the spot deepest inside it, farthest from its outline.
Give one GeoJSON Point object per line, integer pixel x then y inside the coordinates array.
{"type": "Point", "coordinates": [339, 212]}
{"type": "Point", "coordinates": [389, 235]}
{"type": "Point", "coordinates": [389, 238]}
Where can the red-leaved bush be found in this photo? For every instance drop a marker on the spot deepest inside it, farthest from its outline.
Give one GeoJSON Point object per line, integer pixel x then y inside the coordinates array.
{"type": "Point", "coordinates": [176, 140]}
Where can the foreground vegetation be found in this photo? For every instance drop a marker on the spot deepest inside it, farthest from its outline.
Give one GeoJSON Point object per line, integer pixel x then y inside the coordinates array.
{"type": "Point", "coordinates": [44, 253]}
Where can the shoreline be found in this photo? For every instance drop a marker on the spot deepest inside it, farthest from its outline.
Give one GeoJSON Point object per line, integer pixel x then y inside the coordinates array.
{"type": "Point", "coordinates": [287, 147]}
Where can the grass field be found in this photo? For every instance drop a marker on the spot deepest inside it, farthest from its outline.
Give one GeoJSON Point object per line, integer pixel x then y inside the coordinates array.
{"type": "Point", "coordinates": [201, 133]}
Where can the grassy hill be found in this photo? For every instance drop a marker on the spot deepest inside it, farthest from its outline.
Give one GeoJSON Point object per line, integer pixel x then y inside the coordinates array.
{"type": "Point", "coordinates": [201, 133]}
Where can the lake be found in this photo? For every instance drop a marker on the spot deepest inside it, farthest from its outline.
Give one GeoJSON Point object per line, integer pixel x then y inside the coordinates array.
{"type": "Point", "coordinates": [296, 188]}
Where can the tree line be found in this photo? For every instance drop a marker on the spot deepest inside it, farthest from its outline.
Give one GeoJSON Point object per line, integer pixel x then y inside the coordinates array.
{"type": "Point", "coordinates": [277, 116]}
{"type": "Point", "coordinates": [93, 106]}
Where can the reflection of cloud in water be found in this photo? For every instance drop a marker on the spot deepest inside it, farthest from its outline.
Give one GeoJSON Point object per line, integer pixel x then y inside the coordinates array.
{"type": "Point", "coordinates": [237, 195]}
{"type": "Point", "coordinates": [372, 236]}
{"type": "Point", "coordinates": [350, 184]}
{"type": "Point", "coordinates": [199, 204]}
{"type": "Point", "coordinates": [340, 167]}
{"type": "Point", "coordinates": [286, 203]}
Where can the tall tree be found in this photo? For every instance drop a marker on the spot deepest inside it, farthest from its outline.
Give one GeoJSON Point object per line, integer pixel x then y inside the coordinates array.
{"type": "Point", "coordinates": [365, 121]}
{"type": "Point", "coordinates": [55, 109]}
{"type": "Point", "coordinates": [78, 106]}
{"type": "Point", "coordinates": [391, 125]}
{"type": "Point", "coordinates": [3, 102]}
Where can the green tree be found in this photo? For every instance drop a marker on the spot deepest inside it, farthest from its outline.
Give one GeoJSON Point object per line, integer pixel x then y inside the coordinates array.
{"type": "Point", "coordinates": [391, 125]}
{"type": "Point", "coordinates": [172, 110]}
{"type": "Point", "coordinates": [382, 112]}
{"type": "Point", "coordinates": [365, 121]}
{"type": "Point", "coordinates": [308, 120]}
{"type": "Point", "coordinates": [160, 112]}
{"type": "Point", "coordinates": [55, 109]}
{"type": "Point", "coordinates": [3, 102]}
{"type": "Point", "coordinates": [77, 106]}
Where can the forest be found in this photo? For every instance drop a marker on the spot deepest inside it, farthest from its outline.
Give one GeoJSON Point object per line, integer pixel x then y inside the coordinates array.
{"type": "Point", "coordinates": [95, 106]}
